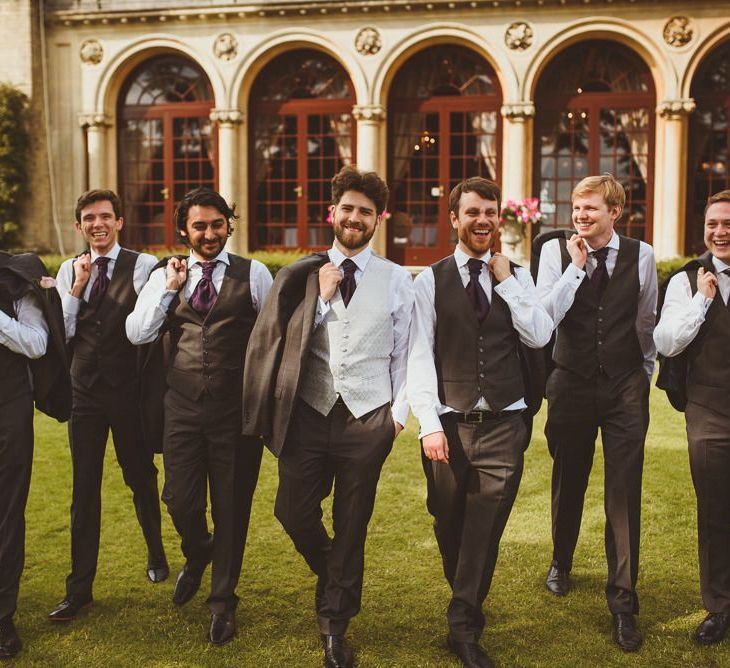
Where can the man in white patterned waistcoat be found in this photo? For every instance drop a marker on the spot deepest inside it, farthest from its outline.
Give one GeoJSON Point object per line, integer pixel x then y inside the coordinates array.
{"type": "Point", "coordinates": [349, 402]}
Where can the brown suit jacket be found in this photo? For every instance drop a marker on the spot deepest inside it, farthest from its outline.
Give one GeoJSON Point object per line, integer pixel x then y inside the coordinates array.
{"type": "Point", "coordinates": [276, 351]}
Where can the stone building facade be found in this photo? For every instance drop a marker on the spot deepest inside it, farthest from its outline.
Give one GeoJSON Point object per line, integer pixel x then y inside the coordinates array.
{"type": "Point", "coordinates": [265, 100]}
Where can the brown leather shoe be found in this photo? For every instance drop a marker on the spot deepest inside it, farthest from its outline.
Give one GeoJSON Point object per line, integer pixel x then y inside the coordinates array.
{"type": "Point", "coordinates": [10, 643]}
{"type": "Point", "coordinates": [625, 633]}
{"type": "Point", "coordinates": [557, 580]}
{"type": "Point", "coordinates": [712, 628]}
{"type": "Point", "coordinates": [67, 609]}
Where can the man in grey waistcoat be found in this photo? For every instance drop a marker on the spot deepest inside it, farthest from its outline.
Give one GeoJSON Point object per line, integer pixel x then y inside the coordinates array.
{"type": "Point", "coordinates": [333, 341]}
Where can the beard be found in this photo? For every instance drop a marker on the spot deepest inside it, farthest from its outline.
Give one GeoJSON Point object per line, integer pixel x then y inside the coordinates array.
{"type": "Point", "coordinates": [209, 251]}
{"type": "Point", "coordinates": [476, 244]}
{"type": "Point", "coordinates": [350, 239]}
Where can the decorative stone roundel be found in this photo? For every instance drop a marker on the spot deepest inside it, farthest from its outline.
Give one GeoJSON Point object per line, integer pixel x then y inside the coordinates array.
{"type": "Point", "coordinates": [225, 46]}
{"type": "Point", "coordinates": [91, 52]}
{"type": "Point", "coordinates": [518, 36]}
{"type": "Point", "coordinates": [368, 41]}
{"type": "Point", "coordinates": [677, 31]}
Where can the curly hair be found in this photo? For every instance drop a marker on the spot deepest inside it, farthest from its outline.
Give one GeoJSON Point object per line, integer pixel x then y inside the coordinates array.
{"type": "Point", "coordinates": [367, 183]}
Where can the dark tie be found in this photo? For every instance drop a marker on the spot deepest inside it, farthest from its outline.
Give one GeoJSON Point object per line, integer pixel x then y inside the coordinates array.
{"type": "Point", "coordinates": [474, 289]}
{"type": "Point", "coordinates": [347, 284]}
{"type": "Point", "coordinates": [204, 296]}
{"type": "Point", "coordinates": [727, 273]}
{"type": "Point", "coordinates": [99, 288]}
{"type": "Point", "coordinates": [599, 277]}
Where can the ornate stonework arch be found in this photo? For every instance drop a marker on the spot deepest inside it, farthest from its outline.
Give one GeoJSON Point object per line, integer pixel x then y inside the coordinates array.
{"type": "Point", "coordinates": [291, 40]}
{"type": "Point", "coordinates": [662, 71]}
{"type": "Point", "coordinates": [115, 73]}
{"type": "Point", "coordinates": [713, 40]}
{"type": "Point", "coordinates": [443, 34]}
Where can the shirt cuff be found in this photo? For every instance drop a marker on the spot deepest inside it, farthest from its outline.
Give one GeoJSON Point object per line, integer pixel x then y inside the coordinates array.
{"type": "Point", "coordinates": [572, 274]}
{"type": "Point", "coordinates": [509, 288]}
{"type": "Point", "coordinates": [430, 424]}
{"type": "Point", "coordinates": [400, 412]}
{"type": "Point", "coordinates": [70, 304]}
{"type": "Point", "coordinates": [166, 299]}
{"type": "Point", "coordinates": [701, 304]}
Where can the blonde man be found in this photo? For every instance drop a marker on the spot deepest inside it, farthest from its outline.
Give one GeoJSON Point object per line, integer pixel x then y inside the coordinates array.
{"type": "Point", "coordinates": [600, 289]}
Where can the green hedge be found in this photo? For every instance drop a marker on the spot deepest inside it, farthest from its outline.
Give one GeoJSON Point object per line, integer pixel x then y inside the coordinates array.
{"type": "Point", "coordinates": [664, 268]}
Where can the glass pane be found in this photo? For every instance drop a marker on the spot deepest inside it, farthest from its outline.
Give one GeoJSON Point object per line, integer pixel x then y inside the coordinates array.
{"type": "Point", "coordinates": [167, 80]}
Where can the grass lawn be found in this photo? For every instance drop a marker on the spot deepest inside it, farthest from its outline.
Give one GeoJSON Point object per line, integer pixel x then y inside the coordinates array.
{"type": "Point", "coordinates": [133, 622]}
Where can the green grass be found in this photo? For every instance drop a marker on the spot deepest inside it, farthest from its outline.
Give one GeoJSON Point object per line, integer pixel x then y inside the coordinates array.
{"type": "Point", "coordinates": [402, 622]}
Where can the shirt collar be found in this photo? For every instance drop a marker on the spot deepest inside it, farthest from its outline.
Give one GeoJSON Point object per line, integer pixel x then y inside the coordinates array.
{"type": "Point", "coordinates": [462, 258]}
{"type": "Point", "coordinates": [719, 264]}
{"type": "Point", "coordinates": [612, 243]}
{"type": "Point", "coordinates": [337, 257]}
{"type": "Point", "coordinates": [113, 254]}
{"type": "Point", "coordinates": [221, 257]}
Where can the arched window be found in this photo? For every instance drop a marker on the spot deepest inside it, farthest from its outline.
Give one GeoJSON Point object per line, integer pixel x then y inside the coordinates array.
{"type": "Point", "coordinates": [709, 140]}
{"type": "Point", "coordinates": [595, 113]}
{"type": "Point", "coordinates": [444, 125]}
{"type": "Point", "coordinates": [302, 133]}
{"type": "Point", "coordinates": [166, 145]}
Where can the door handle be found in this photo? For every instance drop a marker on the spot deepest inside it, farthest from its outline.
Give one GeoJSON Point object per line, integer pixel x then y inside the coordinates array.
{"type": "Point", "coordinates": [437, 191]}
{"type": "Point", "coordinates": [299, 191]}
{"type": "Point", "coordinates": [165, 192]}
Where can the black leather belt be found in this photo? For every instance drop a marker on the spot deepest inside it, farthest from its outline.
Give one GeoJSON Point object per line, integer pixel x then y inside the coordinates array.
{"type": "Point", "coordinates": [476, 417]}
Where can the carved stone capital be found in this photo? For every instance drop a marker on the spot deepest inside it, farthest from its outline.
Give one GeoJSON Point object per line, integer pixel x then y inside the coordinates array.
{"type": "Point", "coordinates": [678, 31]}
{"type": "Point", "coordinates": [368, 112]}
{"type": "Point", "coordinates": [518, 110]}
{"type": "Point", "coordinates": [674, 109]}
{"type": "Point", "coordinates": [227, 116]}
{"type": "Point", "coordinates": [98, 121]}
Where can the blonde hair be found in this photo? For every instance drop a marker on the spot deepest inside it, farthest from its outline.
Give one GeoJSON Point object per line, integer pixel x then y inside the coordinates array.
{"type": "Point", "coordinates": [606, 185]}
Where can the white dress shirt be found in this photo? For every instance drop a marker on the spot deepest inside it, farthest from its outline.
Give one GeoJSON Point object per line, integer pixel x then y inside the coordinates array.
{"type": "Point", "coordinates": [27, 333]}
{"type": "Point", "coordinates": [400, 302]}
{"type": "Point", "coordinates": [529, 318]}
{"type": "Point", "coordinates": [64, 283]}
{"type": "Point", "coordinates": [150, 311]}
{"type": "Point", "coordinates": [684, 313]}
{"type": "Point", "coordinates": [557, 288]}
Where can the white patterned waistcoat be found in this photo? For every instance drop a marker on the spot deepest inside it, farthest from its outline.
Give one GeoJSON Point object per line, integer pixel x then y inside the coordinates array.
{"type": "Point", "coordinates": [350, 350]}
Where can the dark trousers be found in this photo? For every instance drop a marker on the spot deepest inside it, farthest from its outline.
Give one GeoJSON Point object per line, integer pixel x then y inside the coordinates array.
{"type": "Point", "coordinates": [203, 447]}
{"type": "Point", "coordinates": [319, 451]}
{"type": "Point", "coordinates": [577, 408]}
{"type": "Point", "coordinates": [708, 433]}
{"type": "Point", "coordinates": [16, 460]}
{"type": "Point", "coordinates": [94, 412]}
{"type": "Point", "coordinates": [470, 499]}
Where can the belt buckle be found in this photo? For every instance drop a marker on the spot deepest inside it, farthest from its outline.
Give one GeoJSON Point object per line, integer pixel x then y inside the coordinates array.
{"type": "Point", "coordinates": [474, 417]}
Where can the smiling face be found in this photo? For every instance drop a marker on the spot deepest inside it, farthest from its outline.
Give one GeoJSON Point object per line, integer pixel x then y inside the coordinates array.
{"type": "Point", "coordinates": [593, 219]}
{"type": "Point", "coordinates": [476, 223]}
{"type": "Point", "coordinates": [207, 231]}
{"type": "Point", "coordinates": [717, 230]}
{"type": "Point", "coordinates": [355, 220]}
{"type": "Point", "coordinates": [100, 226]}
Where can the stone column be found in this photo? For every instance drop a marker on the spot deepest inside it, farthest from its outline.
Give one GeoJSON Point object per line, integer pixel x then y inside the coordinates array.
{"type": "Point", "coordinates": [670, 177]}
{"type": "Point", "coordinates": [96, 126]}
{"type": "Point", "coordinates": [517, 165]}
{"type": "Point", "coordinates": [228, 122]}
{"type": "Point", "coordinates": [370, 120]}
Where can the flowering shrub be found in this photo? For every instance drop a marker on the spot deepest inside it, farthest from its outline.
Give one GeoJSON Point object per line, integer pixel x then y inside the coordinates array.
{"type": "Point", "coordinates": [520, 214]}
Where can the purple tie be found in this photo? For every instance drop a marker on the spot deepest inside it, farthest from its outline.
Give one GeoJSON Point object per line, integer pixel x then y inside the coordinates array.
{"type": "Point", "coordinates": [347, 284]}
{"type": "Point", "coordinates": [204, 296]}
{"type": "Point", "coordinates": [599, 277]}
{"type": "Point", "coordinates": [474, 289]}
{"type": "Point", "coordinates": [99, 288]}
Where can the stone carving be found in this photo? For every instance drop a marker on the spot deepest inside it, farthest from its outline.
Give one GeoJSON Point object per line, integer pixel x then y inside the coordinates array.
{"type": "Point", "coordinates": [368, 112]}
{"type": "Point", "coordinates": [368, 41]}
{"type": "Point", "coordinates": [92, 119]}
{"type": "Point", "coordinates": [675, 109]}
{"type": "Point", "coordinates": [226, 116]}
{"type": "Point", "coordinates": [91, 52]}
{"type": "Point", "coordinates": [225, 46]}
{"type": "Point", "coordinates": [518, 110]}
{"type": "Point", "coordinates": [518, 36]}
{"type": "Point", "coordinates": [677, 31]}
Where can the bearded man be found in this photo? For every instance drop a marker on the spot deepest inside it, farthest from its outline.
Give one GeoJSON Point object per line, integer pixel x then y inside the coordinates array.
{"type": "Point", "coordinates": [344, 317]}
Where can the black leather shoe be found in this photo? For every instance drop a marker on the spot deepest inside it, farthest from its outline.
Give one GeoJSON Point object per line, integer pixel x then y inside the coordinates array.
{"type": "Point", "coordinates": [557, 580]}
{"type": "Point", "coordinates": [625, 633]}
{"type": "Point", "coordinates": [187, 584]}
{"type": "Point", "coordinates": [157, 572]}
{"type": "Point", "coordinates": [337, 653]}
{"type": "Point", "coordinates": [10, 643]}
{"type": "Point", "coordinates": [712, 628]}
{"type": "Point", "coordinates": [222, 627]}
{"type": "Point", "coordinates": [469, 653]}
{"type": "Point", "coordinates": [67, 609]}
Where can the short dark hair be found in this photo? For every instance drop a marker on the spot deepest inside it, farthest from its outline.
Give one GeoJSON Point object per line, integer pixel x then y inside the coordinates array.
{"type": "Point", "coordinates": [722, 196]}
{"type": "Point", "coordinates": [202, 197]}
{"type": "Point", "coordinates": [485, 188]}
{"type": "Point", "coordinates": [367, 183]}
{"type": "Point", "coordinates": [98, 195]}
